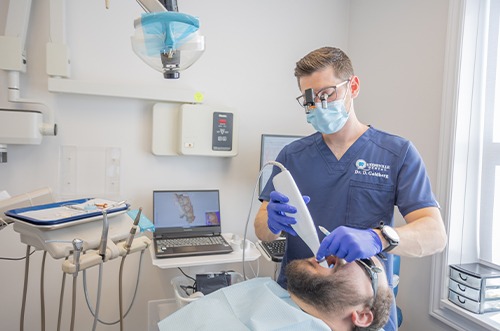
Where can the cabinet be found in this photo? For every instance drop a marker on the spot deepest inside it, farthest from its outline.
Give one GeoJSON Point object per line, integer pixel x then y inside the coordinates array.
{"type": "Point", "coordinates": [475, 287]}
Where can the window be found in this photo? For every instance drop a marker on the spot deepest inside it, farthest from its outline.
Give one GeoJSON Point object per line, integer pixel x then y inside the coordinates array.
{"type": "Point", "coordinates": [490, 179]}
{"type": "Point", "coordinates": [469, 185]}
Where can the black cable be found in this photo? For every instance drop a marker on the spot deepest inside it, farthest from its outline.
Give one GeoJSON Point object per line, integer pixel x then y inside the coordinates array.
{"type": "Point", "coordinates": [193, 287]}
{"type": "Point", "coordinates": [186, 274]}
{"type": "Point", "coordinates": [185, 288]}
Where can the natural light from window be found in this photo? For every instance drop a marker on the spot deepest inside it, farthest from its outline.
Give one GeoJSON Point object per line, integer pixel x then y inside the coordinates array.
{"type": "Point", "coordinates": [470, 173]}
{"type": "Point", "coordinates": [496, 116]}
{"type": "Point", "coordinates": [490, 190]}
{"type": "Point", "coordinates": [496, 216]}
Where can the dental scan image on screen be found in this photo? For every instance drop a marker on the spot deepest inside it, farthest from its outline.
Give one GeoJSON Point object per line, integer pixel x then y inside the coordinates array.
{"type": "Point", "coordinates": [187, 209]}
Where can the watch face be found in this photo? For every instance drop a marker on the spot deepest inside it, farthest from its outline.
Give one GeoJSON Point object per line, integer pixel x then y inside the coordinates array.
{"type": "Point", "coordinates": [391, 233]}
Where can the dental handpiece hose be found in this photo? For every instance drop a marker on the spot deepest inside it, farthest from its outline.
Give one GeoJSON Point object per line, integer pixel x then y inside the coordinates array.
{"type": "Point", "coordinates": [77, 249]}
{"type": "Point", "coordinates": [104, 236]}
{"type": "Point", "coordinates": [133, 230]}
{"type": "Point", "coordinates": [105, 229]}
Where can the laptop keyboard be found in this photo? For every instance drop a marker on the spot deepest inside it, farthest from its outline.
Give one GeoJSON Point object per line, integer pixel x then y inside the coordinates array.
{"type": "Point", "coordinates": [276, 247]}
{"type": "Point", "coordinates": [187, 242]}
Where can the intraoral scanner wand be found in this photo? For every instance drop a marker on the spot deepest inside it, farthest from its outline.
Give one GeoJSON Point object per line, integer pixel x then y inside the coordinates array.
{"type": "Point", "coordinates": [284, 183]}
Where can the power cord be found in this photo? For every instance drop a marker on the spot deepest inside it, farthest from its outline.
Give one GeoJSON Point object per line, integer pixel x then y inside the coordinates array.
{"type": "Point", "coordinates": [193, 288]}
{"type": "Point", "coordinates": [186, 274]}
{"type": "Point", "coordinates": [186, 287]}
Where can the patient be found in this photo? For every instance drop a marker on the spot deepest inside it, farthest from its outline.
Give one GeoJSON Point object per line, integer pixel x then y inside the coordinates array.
{"type": "Point", "coordinates": [317, 299]}
{"type": "Point", "coordinates": [355, 296]}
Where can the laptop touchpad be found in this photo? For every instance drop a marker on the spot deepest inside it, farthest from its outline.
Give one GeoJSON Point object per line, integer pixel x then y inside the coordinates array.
{"type": "Point", "coordinates": [185, 249]}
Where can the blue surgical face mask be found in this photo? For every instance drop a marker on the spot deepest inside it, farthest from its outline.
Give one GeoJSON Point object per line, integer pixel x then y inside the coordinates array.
{"type": "Point", "coordinates": [330, 119]}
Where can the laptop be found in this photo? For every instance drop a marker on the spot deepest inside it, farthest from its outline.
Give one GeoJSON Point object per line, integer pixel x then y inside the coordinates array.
{"type": "Point", "coordinates": [187, 223]}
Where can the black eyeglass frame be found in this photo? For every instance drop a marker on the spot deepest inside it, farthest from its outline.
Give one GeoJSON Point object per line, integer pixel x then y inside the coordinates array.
{"type": "Point", "coordinates": [372, 271]}
{"type": "Point", "coordinates": [301, 99]}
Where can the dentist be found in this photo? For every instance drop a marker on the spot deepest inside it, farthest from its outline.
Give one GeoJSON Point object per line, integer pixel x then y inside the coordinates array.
{"type": "Point", "coordinates": [352, 176]}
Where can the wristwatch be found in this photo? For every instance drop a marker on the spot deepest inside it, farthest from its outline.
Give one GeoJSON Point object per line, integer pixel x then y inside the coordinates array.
{"type": "Point", "coordinates": [390, 235]}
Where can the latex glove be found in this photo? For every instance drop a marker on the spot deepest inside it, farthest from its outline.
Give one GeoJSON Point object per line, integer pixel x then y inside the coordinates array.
{"type": "Point", "coordinates": [350, 244]}
{"type": "Point", "coordinates": [278, 205]}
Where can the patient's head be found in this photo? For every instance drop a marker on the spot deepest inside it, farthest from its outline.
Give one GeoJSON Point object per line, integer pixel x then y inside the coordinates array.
{"type": "Point", "coordinates": [344, 298]}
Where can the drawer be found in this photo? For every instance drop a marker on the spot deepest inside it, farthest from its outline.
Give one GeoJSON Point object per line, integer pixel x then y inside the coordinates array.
{"type": "Point", "coordinates": [465, 278]}
{"type": "Point", "coordinates": [475, 275]}
{"type": "Point", "coordinates": [473, 306]}
{"type": "Point", "coordinates": [463, 302]}
{"type": "Point", "coordinates": [463, 290]}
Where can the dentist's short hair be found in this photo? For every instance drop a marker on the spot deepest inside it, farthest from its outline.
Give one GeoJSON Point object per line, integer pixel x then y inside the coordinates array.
{"type": "Point", "coordinates": [322, 58]}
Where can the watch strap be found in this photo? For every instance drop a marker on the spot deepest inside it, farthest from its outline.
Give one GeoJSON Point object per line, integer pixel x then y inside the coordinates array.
{"type": "Point", "coordinates": [392, 241]}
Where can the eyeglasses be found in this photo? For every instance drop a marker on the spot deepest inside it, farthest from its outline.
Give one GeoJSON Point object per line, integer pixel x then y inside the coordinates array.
{"type": "Point", "coordinates": [327, 94]}
{"type": "Point", "coordinates": [371, 270]}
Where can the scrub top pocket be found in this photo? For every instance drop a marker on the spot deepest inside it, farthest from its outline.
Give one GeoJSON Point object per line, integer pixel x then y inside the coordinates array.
{"type": "Point", "coordinates": [369, 203]}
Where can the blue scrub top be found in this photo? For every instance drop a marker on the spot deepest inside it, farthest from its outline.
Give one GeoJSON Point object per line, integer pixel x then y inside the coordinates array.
{"type": "Point", "coordinates": [379, 171]}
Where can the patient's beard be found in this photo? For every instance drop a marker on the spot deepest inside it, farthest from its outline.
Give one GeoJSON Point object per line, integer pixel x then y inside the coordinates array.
{"type": "Point", "coordinates": [328, 293]}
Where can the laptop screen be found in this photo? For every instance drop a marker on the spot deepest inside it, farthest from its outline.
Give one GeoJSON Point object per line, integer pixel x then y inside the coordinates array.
{"type": "Point", "coordinates": [186, 212]}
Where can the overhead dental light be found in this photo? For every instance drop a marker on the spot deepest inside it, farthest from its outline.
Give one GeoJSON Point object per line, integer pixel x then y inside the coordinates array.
{"type": "Point", "coordinates": [168, 41]}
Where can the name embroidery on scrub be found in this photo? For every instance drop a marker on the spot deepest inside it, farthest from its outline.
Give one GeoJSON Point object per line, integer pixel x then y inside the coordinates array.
{"type": "Point", "coordinates": [364, 168]}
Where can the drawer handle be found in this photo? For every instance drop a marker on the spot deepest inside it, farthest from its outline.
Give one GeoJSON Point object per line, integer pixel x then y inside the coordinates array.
{"type": "Point", "coordinates": [462, 278]}
{"type": "Point", "coordinates": [460, 288]}
{"type": "Point", "coordinates": [458, 297]}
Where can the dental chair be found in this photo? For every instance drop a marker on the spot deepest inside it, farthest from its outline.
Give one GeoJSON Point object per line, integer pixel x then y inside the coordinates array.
{"type": "Point", "coordinates": [395, 281]}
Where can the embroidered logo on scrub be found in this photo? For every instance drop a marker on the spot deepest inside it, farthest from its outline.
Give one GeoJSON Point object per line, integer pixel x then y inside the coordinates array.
{"type": "Point", "coordinates": [364, 168]}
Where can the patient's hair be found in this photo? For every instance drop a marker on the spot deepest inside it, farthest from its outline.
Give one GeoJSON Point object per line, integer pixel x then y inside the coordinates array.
{"type": "Point", "coordinates": [332, 294]}
{"type": "Point", "coordinates": [322, 58]}
{"type": "Point", "coordinates": [381, 309]}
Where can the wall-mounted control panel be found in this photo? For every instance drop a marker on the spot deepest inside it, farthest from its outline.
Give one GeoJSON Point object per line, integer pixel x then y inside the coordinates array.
{"type": "Point", "coordinates": [195, 129]}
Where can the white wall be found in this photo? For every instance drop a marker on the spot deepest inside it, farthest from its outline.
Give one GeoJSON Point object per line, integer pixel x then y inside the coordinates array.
{"type": "Point", "coordinates": [397, 48]}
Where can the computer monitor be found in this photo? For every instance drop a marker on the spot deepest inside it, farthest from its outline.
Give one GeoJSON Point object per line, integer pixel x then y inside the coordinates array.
{"type": "Point", "coordinates": [270, 146]}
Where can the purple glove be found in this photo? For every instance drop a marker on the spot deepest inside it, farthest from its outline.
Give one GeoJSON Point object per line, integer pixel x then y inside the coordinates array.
{"type": "Point", "coordinates": [350, 244]}
{"type": "Point", "coordinates": [278, 205]}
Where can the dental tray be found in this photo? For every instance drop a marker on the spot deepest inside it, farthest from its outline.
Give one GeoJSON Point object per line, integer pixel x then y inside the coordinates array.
{"type": "Point", "coordinates": [66, 213]}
